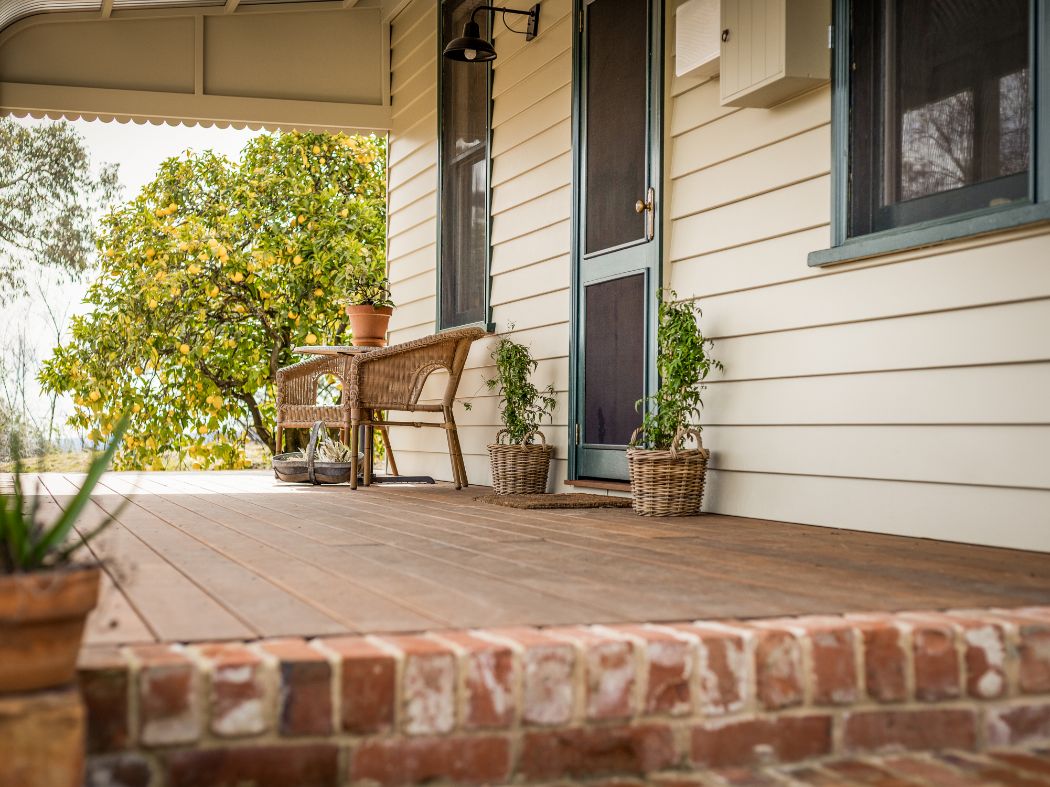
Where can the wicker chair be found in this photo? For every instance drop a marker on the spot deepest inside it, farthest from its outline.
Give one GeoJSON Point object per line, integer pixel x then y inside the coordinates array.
{"type": "Point", "coordinates": [388, 378]}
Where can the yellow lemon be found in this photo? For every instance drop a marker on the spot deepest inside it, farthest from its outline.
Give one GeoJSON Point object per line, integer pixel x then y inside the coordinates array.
{"type": "Point", "coordinates": [194, 269]}
{"type": "Point", "coordinates": [318, 292]}
{"type": "Point", "coordinates": [344, 212]}
{"type": "Point", "coordinates": [94, 396]}
{"type": "Point", "coordinates": [214, 291]}
{"type": "Point", "coordinates": [239, 308]}
{"type": "Point", "coordinates": [110, 253]}
{"type": "Point", "coordinates": [138, 370]}
{"type": "Point", "coordinates": [311, 339]}
{"type": "Point", "coordinates": [297, 259]}
{"type": "Point", "coordinates": [317, 149]}
{"type": "Point", "coordinates": [292, 315]}
{"type": "Point", "coordinates": [152, 303]}
{"type": "Point", "coordinates": [136, 407]}
{"type": "Point", "coordinates": [202, 429]}
{"type": "Point", "coordinates": [184, 349]}
{"type": "Point", "coordinates": [203, 256]}
{"type": "Point", "coordinates": [302, 219]}
{"type": "Point", "coordinates": [237, 277]}
{"type": "Point", "coordinates": [150, 253]}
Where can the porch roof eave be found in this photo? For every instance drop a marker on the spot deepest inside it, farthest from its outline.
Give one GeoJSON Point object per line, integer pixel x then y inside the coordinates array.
{"type": "Point", "coordinates": [312, 65]}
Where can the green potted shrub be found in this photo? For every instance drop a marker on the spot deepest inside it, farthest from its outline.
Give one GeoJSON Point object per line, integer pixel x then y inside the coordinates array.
{"type": "Point", "coordinates": [46, 587]}
{"type": "Point", "coordinates": [667, 479]}
{"type": "Point", "coordinates": [519, 466]}
{"type": "Point", "coordinates": [368, 305]}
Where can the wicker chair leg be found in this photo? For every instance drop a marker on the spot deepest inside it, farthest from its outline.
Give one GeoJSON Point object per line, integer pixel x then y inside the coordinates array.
{"type": "Point", "coordinates": [355, 430]}
{"type": "Point", "coordinates": [459, 458]}
{"type": "Point", "coordinates": [277, 441]}
{"type": "Point", "coordinates": [389, 450]}
{"type": "Point", "coordinates": [369, 455]}
{"type": "Point", "coordinates": [453, 448]}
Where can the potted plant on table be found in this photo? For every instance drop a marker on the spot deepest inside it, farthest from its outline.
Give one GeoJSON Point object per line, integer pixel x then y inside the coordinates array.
{"type": "Point", "coordinates": [667, 479]}
{"type": "Point", "coordinates": [519, 466]}
{"type": "Point", "coordinates": [47, 587]}
{"type": "Point", "coordinates": [368, 305]}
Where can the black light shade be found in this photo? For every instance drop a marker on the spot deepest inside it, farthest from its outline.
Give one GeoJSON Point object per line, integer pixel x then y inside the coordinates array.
{"type": "Point", "coordinates": [470, 47]}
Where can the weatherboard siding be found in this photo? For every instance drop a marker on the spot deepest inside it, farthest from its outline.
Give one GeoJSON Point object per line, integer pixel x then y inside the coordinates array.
{"type": "Point", "coordinates": [531, 180]}
{"type": "Point", "coordinates": [907, 394]}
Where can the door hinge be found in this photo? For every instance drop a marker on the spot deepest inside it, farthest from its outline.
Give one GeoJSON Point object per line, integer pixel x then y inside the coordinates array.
{"type": "Point", "coordinates": [577, 435]}
{"type": "Point", "coordinates": [579, 23]}
{"type": "Point", "coordinates": [831, 36]}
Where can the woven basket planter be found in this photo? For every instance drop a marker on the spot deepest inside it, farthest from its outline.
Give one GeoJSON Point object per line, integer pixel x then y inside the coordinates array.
{"type": "Point", "coordinates": [520, 469]}
{"type": "Point", "coordinates": [308, 471]}
{"type": "Point", "coordinates": [668, 482]}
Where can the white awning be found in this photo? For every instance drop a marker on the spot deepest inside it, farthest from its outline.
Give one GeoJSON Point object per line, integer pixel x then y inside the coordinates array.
{"type": "Point", "coordinates": [307, 64]}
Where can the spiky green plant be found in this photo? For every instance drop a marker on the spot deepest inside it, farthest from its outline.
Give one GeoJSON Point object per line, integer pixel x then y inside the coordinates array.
{"type": "Point", "coordinates": [28, 544]}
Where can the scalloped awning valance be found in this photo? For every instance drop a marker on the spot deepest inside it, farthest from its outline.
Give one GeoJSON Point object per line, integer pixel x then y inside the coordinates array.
{"type": "Point", "coordinates": [307, 64]}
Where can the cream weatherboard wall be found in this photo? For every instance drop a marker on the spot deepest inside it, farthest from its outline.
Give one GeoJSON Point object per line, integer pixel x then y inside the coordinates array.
{"type": "Point", "coordinates": [905, 394]}
{"type": "Point", "coordinates": [531, 193]}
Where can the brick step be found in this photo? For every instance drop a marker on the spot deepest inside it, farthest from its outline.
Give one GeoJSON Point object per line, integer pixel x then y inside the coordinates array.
{"type": "Point", "coordinates": [644, 702]}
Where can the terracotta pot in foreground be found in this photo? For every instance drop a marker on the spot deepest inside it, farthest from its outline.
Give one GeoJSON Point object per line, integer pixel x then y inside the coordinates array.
{"type": "Point", "coordinates": [368, 324]}
{"type": "Point", "coordinates": [41, 624]}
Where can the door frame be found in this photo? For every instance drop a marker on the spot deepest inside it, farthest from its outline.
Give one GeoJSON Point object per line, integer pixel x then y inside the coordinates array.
{"type": "Point", "coordinates": [655, 275]}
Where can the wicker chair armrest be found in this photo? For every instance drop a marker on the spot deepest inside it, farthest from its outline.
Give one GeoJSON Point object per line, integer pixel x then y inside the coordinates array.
{"type": "Point", "coordinates": [451, 336]}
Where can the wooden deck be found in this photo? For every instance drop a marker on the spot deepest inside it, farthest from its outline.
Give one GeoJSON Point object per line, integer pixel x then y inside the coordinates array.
{"type": "Point", "coordinates": [211, 556]}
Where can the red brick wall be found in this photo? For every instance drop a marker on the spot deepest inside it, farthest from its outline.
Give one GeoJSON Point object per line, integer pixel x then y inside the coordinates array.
{"type": "Point", "coordinates": [533, 705]}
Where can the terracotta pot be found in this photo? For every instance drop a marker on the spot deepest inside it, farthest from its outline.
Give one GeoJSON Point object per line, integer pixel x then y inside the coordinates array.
{"type": "Point", "coordinates": [41, 624]}
{"type": "Point", "coordinates": [368, 324]}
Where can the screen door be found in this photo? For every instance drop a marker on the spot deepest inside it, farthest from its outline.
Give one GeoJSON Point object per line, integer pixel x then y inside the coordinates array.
{"type": "Point", "coordinates": [616, 258]}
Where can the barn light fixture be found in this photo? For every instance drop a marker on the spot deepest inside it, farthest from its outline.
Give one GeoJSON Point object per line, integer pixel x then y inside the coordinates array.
{"type": "Point", "coordinates": [472, 48]}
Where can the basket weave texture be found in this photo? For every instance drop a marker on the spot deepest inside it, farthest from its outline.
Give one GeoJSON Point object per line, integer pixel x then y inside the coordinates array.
{"type": "Point", "coordinates": [308, 470]}
{"type": "Point", "coordinates": [668, 482]}
{"type": "Point", "coordinates": [520, 468]}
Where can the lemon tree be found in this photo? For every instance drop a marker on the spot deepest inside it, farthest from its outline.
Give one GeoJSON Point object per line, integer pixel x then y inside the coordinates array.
{"type": "Point", "coordinates": [207, 280]}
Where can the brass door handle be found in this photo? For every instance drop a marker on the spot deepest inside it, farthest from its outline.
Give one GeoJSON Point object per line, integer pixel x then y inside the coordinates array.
{"type": "Point", "coordinates": [649, 208]}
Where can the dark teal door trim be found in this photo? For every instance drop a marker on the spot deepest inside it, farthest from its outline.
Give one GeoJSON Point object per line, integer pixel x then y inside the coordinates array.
{"type": "Point", "coordinates": [612, 463]}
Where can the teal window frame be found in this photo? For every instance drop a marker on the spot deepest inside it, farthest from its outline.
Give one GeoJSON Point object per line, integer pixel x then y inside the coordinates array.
{"type": "Point", "coordinates": [963, 225]}
{"type": "Point", "coordinates": [485, 323]}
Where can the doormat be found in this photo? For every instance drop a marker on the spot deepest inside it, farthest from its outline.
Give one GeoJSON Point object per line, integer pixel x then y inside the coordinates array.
{"type": "Point", "coordinates": [558, 500]}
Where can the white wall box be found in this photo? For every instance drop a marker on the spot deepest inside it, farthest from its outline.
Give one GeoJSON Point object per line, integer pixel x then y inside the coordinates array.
{"type": "Point", "coordinates": [697, 38]}
{"type": "Point", "coordinates": [772, 50]}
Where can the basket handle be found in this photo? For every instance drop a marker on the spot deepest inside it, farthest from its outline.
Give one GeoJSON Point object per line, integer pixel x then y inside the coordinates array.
{"type": "Point", "coordinates": [525, 440]}
{"type": "Point", "coordinates": [679, 440]}
{"type": "Point", "coordinates": [311, 450]}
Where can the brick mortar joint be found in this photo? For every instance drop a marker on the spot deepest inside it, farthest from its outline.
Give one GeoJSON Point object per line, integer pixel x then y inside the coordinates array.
{"type": "Point", "coordinates": [203, 668]}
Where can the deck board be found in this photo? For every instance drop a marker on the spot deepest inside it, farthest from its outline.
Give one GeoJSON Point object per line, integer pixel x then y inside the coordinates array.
{"type": "Point", "coordinates": [206, 556]}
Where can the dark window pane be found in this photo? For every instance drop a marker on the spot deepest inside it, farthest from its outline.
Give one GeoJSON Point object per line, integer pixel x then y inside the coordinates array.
{"type": "Point", "coordinates": [617, 42]}
{"type": "Point", "coordinates": [464, 176]}
{"type": "Point", "coordinates": [940, 109]}
{"type": "Point", "coordinates": [614, 359]}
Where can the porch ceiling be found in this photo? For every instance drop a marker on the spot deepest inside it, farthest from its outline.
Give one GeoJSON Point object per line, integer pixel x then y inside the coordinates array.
{"type": "Point", "coordinates": [306, 64]}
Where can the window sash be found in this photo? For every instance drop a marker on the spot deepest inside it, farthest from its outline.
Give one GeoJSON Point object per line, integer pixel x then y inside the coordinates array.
{"type": "Point", "coordinates": [463, 247]}
{"type": "Point", "coordinates": [990, 219]}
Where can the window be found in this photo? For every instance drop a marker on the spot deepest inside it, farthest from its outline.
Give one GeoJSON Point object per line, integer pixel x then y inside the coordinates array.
{"type": "Point", "coordinates": [464, 178]}
{"type": "Point", "coordinates": [938, 126]}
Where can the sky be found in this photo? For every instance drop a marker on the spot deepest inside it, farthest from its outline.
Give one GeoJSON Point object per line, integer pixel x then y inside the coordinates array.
{"type": "Point", "coordinates": [138, 150]}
